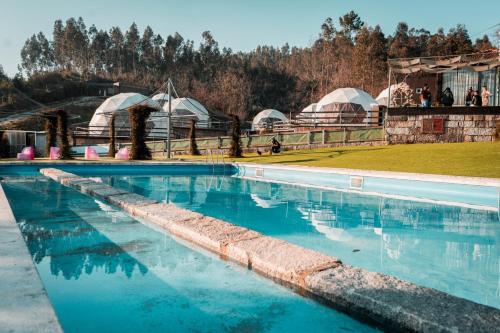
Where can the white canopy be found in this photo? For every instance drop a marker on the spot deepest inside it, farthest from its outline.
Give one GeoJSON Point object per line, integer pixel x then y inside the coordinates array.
{"type": "Point", "coordinates": [119, 104]}
{"type": "Point", "coordinates": [268, 116]}
{"type": "Point", "coordinates": [347, 96]}
{"type": "Point", "coordinates": [188, 108]}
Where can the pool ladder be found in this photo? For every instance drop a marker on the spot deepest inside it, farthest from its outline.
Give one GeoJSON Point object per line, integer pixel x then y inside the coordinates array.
{"type": "Point", "coordinates": [216, 157]}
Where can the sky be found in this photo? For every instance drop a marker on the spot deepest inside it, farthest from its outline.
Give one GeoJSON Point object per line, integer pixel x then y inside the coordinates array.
{"type": "Point", "coordinates": [240, 25]}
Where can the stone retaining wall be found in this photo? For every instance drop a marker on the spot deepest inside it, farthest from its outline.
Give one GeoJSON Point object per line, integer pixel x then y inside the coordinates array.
{"type": "Point", "coordinates": [457, 128]}
{"type": "Point", "coordinates": [382, 300]}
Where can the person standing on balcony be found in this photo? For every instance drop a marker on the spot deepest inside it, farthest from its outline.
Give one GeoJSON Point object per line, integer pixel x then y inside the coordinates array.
{"type": "Point", "coordinates": [468, 97]}
{"type": "Point", "coordinates": [485, 96]}
{"type": "Point", "coordinates": [447, 97]}
{"type": "Point", "coordinates": [476, 99]}
{"type": "Point", "coordinates": [425, 97]}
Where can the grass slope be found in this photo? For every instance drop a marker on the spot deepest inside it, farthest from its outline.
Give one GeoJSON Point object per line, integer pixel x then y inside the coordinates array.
{"type": "Point", "coordinates": [478, 159]}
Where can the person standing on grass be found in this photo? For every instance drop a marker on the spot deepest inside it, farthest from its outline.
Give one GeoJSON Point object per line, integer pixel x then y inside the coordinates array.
{"type": "Point", "coordinates": [485, 96]}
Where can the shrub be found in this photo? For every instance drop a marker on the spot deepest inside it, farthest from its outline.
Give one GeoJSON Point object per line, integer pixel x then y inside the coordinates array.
{"type": "Point", "coordinates": [4, 145]}
{"type": "Point", "coordinates": [137, 117]}
{"type": "Point", "coordinates": [235, 149]}
{"type": "Point", "coordinates": [193, 146]}
{"type": "Point", "coordinates": [112, 143]}
{"type": "Point", "coordinates": [50, 130]}
{"type": "Point", "coordinates": [62, 128]}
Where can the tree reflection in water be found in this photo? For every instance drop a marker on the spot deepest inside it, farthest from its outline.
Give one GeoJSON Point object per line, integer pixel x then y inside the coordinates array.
{"type": "Point", "coordinates": [445, 247]}
{"type": "Point", "coordinates": [53, 231]}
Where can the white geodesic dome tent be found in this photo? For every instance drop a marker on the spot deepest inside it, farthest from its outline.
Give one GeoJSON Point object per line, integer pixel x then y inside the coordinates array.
{"type": "Point", "coordinates": [383, 97]}
{"type": "Point", "coordinates": [310, 108]}
{"type": "Point", "coordinates": [401, 94]}
{"type": "Point", "coordinates": [268, 117]}
{"type": "Point", "coordinates": [187, 108]}
{"type": "Point", "coordinates": [119, 104]}
{"type": "Point", "coordinates": [347, 106]}
{"type": "Point", "coordinates": [308, 114]}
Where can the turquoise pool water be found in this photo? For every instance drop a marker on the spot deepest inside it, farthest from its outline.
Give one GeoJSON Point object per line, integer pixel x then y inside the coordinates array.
{"type": "Point", "coordinates": [452, 249]}
{"type": "Point", "coordinates": [105, 272]}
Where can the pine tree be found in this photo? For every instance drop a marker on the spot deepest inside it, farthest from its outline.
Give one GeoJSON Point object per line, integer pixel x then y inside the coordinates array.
{"type": "Point", "coordinates": [399, 44]}
{"type": "Point", "coordinates": [117, 51]}
{"type": "Point", "coordinates": [132, 42]}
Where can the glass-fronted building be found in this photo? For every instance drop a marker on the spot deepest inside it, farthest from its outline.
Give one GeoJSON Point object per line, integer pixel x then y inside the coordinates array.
{"type": "Point", "coordinates": [461, 80]}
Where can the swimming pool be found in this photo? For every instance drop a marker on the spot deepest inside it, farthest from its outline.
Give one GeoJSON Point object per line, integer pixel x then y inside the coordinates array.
{"type": "Point", "coordinates": [104, 271]}
{"type": "Point", "coordinates": [450, 248]}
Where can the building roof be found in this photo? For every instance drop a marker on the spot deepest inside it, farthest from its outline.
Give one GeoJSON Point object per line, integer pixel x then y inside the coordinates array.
{"type": "Point", "coordinates": [477, 62]}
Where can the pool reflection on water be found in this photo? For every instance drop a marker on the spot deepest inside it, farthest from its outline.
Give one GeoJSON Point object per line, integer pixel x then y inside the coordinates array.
{"type": "Point", "coordinates": [105, 272]}
{"type": "Point", "coordinates": [453, 249]}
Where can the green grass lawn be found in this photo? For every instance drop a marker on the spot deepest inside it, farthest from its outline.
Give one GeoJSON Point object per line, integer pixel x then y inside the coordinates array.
{"type": "Point", "coordinates": [479, 159]}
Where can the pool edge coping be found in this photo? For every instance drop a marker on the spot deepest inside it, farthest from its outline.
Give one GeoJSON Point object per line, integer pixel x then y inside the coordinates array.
{"type": "Point", "coordinates": [491, 183]}
{"type": "Point", "coordinates": [427, 177]}
{"type": "Point", "coordinates": [22, 277]}
{"type": "Point", "coordinates": [377, 194]}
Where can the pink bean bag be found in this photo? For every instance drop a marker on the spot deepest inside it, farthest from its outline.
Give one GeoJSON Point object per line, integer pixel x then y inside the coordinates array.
{"type": "Point", "coordinates": [122, 154]}
{"type": "Point", "coordinates": [27, 153]}
{"type": "Point", "coordinates": [54, 153]}
{"type": "Point", "coordinates": [91, 154]}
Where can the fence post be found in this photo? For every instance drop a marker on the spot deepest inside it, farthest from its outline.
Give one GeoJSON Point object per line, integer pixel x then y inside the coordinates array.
{"type": "Point", "coordinates": [219, 142]}
{"type": "Point", "coordinates": [323, 136]}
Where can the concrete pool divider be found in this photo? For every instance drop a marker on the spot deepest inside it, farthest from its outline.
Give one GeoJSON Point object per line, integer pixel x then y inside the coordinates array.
{"type": "Point", "coordinates": [381, 300]}
{"type": "Point", "coordinates": [24, 305]}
